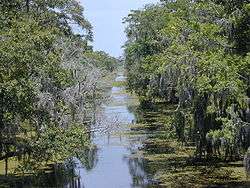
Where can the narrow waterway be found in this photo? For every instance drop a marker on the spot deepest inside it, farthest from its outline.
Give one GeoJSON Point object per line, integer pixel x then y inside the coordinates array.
{"type": "Point", "coordinates": [114, 162]}
{"type": "Point", "coordinates": [113, 165]}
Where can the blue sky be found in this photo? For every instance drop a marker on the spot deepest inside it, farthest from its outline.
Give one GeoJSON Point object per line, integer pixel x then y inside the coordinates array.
{"type": "Point", "coordinates": [106, 18]}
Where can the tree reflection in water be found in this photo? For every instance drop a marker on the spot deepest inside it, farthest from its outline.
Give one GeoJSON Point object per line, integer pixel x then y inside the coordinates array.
{"type": "Point", "coordinates": [87, 160]}
{"type": "Point", "coordinates": [136, 168]}
{"type": "Point", "coordinates": [65, 174]}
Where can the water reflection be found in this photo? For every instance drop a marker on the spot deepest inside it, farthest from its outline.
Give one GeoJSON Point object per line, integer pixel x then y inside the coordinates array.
{"type": "Point", "coordinates": [87, 159]}
{"type": "Point", "coordinates": [60, 175]}
{"type": "Point", "coordinates": [136, 169]}
{"type": "Point", "coordinates": [117, 166]}
{"type": "Point", "coordinates": [113, 163]}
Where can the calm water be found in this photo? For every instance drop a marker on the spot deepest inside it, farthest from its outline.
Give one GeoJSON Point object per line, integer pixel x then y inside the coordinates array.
{"type": "Point", "coordinates": [114, 166]}
{"type": "Point", "coordinates": [116, 162]}
{"type": "Point", "coordinates": [113, 163]}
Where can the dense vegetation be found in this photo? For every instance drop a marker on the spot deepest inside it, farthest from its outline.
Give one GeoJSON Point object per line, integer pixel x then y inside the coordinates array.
{"type": "Point", "coordinates": [188, 61]}
{"type": "Point", "coordinates": [49, 81]}
{"type": "Point", "coordinates": [195, 55]}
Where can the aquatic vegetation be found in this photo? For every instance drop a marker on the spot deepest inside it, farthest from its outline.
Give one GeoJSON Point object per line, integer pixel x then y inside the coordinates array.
{"type": "Point", "coordinates": [172, 163]}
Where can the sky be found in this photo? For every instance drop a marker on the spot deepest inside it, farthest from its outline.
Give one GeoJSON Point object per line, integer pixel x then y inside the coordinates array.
{"type": "Point", "coordinates": [106, 18]}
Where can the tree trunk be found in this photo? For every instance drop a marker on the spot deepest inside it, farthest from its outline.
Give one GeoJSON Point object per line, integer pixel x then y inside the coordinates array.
{"type": "Point", "coordinates": [27, 5]}
{"type": "Point", "coordinates": [199, 117]}
{"type": "Point", "coordinates": [6, 166]}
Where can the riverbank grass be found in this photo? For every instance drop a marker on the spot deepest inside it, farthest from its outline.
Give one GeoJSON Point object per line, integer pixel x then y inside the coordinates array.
{"type": "Point", "coordinates": [173, 164]}
{"type": "Point", "coordinates": [119, 84]}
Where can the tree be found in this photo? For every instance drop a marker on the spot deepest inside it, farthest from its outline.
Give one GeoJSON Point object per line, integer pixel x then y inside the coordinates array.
{"type": "Point", "coordinates": [182, 52]}
{"type": "Point", "coordinates": [47, 81]}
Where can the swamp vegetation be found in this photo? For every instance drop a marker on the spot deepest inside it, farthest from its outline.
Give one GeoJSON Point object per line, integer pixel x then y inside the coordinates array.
{"type": "Point", "coordinates": [185, 123]}
{"type": "Point", "coordinates": [51, 82]}
{"type": "Point", "coordinates": [190, 59]}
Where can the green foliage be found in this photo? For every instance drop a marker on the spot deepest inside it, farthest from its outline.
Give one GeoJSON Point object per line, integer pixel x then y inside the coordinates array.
{"type": "Point", "coordinates": [102, 60]}
{"type": "Point", "coordinates": [196, 54]}
{"type": "Point", "coordinates": [47, 79]}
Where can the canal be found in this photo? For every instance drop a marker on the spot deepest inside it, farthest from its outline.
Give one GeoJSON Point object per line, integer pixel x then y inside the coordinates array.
{"type": "Point", "coordinates": [115, 164]}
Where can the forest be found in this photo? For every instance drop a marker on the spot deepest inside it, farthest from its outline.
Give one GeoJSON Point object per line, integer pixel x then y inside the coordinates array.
{"type": "Point", "coordinates": [195, 54]}
{"type": "Point", "coordinates": [193, 58]}
{"type": "Point", "coordinates": [175, 109]}
{"type": "Point", "coordinates": [50, 81]}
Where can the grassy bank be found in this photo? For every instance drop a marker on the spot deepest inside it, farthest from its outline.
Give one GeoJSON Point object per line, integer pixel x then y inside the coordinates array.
{"type": "Point", "coordinates": [173, 164]}
{"type": "Point", "coordinates": [119, 84]}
